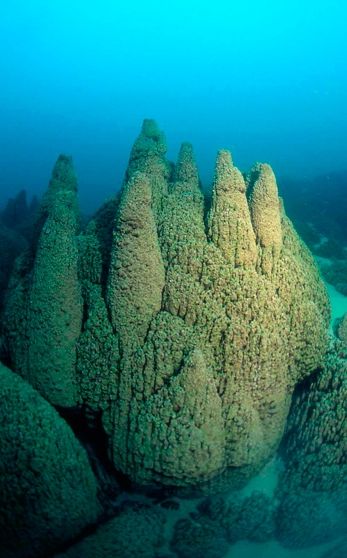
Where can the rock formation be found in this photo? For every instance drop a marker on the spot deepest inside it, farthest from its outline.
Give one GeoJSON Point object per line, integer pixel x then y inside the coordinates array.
{"type": "Point", "coordinates": [338, 551]}
{"type": "Point", "coordinates": [11, 245]}
{"type": "Point", "coordinates": [192, 540]}
{"type": "Point", "coordinates": [313, 487]}
{"type": "Point", "coordinates": [132, 533]}
{"type": "Point", "coordinates": [250, 518]}
{"type": "Point", "coordinates": [16, 223]}
{"type": "Point", "coordinates": [342, 329]}
{"type": "Point", "coordinates": [44, 298]}
{"type": "Point", "coordinates": [16, 212]}
{"type": "Point", "coordinates": [187, 329]}
{"type": "Point", "coordinates": [48, 492]}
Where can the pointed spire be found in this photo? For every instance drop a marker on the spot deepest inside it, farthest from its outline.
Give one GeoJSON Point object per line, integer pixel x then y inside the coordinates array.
{"type": "Point", "coordinates": [227, 176]}
{"type": "Point", "coordinates": [229, 222]}
{"type": "Point", "coordinates": [136, 276]}
{"type": "Point", "coordinates": [150, 129]}
{"type": "Point", "coordinates": [186, 170]}
{"type": "Point", "coordinates": [149, 148]}
{"type": "Point", "coordinates": [55, 309]}
{"type": "Point", "coordinates": [63, 183]}
{"type": "Point", "coordinates": [180, 433]}
{"type": "Point", "coordinates": [265, 206]}
{"type": "Point", "coordinates": [63, 175]}
{"type": "Point", "coordinates": [148, 156]}
{"type": "Point", "coordinates": [182, 227]}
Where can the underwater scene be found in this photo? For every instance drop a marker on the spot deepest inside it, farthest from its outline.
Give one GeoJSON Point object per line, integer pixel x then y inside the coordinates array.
{"type": "Point", "coordinates": [173, 280]}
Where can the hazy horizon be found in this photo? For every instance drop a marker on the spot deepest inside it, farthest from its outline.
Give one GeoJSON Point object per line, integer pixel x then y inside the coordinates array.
{"type": "Point", "coordinates": [266, 81]}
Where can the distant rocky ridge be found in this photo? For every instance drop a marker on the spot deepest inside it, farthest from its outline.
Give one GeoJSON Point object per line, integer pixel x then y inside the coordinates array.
{"type": "Point", "coordinates": [318, 208]}
{"type": "Point", "coordinates": [16, 222]}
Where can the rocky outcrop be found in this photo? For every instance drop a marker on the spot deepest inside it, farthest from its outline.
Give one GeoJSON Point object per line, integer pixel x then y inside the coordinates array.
{"type": "Point", "coordinates": [312, 489]}
{"type": "Point", "coordinates": [136, 276]}
{"type": "Point", "coordinates": [11, 245]}
{"type": "Point", "coordinates": [342, 330]}
{"type": "Point", "coordinates": [16, 223]}
{"type": "Point", "coordinates": [132, 533]}
{"type": "Point", "coordinates": [335, 273]}
{"type": "Point", "coordinates": [228, 297]}
{"type": "Point", "coordinates": [338, 551]}
{"type": "Point", "coordinates": [48, 492]}
{"type": "Point", "coordinates": [197, 324]}
{"type": "Point", "coordinates": [45, 295]}
{"type": "Point", "coordinates": [19, 213]}
{"type": "Point", "coordinates": [192, 540]}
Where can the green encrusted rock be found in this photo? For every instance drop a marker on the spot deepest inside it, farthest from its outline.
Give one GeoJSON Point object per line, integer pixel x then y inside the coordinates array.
{"type": "Point", "coordinates": [243, 293]}
{"type": "Point", "coordinates": [134, 533]}
{"type": "Point", "coordinates": [12, 244]}
{"type": "Point", "coordinates": [44, 306]}
{"type": "Point", "coordinates": [312, 489]}
{"type": "Point", "coordinates": [136, 276]}
{"type": "Point", "coordinates": [181, 224]}
{"type": "Point", "coordinates": [338, 551]}
{"type": "Point", "coordinates": [238, 518]}
{"type": "Point", "coordinates": [148, 156]}
{"type": "Point", "coordinates": [186, 413]}
{"type": "Point", "coordinates": [97, 347]}
{"type": "Point", "coordinates": [194, 539]}
{"type": "Point", "coordinates": [197, 324]}
{"type": "Point", "coordinates": [342, 329]}
{"type": "Point", "coordinates": [48, 492]}
{"type": "Point", "coordinates": [230, 226]}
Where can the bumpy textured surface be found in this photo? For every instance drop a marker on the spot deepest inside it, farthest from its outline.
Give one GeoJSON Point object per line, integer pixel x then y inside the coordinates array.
{"type": "Point", "coordinates": [336, 274]}
{"type": "Point", "coordinates": [342, 330]}
{"type": "Point", "coordinates": [338, 551]}
{"type": "Point", "coordinates": [242, 318]}
{"type": "Point", "coordinates": [11, 245]}
{"type": "Point", "coordinates": [97, 347]}
{"type": "Point", "coordinates": [134, 533]}
{"type": "Point", "coordinates": [251, 518]}
{"type": "Point", "coordinates": [45, 295]}
{"type": "Point", "coordinates": [19, 215]}
{"type": "Point", "coordinates": [313, 488]}
{"type": "Point", "coordinates": [192, 539]}
{"type": "Point", "coordinates": [196, 324]}
{"type": "Point", "coordinates": [137, 276]}
{"type": "Point", "coordinates": [48, 492]}
{"type": "Point", "coordinates": [16, 223]}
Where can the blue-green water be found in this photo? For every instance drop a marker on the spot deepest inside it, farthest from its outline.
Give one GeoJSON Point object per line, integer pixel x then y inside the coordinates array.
{"type": "Point", "coordinates": [265, 79]}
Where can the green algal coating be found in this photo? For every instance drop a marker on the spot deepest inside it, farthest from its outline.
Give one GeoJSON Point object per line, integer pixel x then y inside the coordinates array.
{"type": "Point", "coordinates": [148, 157]}
{"type": "Point", "coordinates": [55, 313]}
{"type": "Point", "coordinates": [338, 551]}
{"type": "Point", "coordinates": [97, 347]}
{"type": "Point", "coordinates": [312, 488]}
{"type": "Point", "coordinates": [136, 276]}
{"type": "Point", "coordinates": [14, 317]}
{"type": "Point", "coordinates": [265, 213]}
{"type": "Point", "coordinates": [181, 222]}
{"type": "Point", "coordinates": [131, 534]}
{"type": "Point", "coordinates": [185, 417]}
{"type": "Point", "coordinates": [342, 329]}
{"type": "Point", "coordinates": [48, 492]}
{"type": "Point", "coordinates": [196, 327]}
{"type": "Point", "coordinates": [230, 226]}
{"type": "Point", "coordinates": [12, 243]}
{"type": "Point", "coordinates": [45, 305]}
{"type": "Point", "coordinates": [245, 296]}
